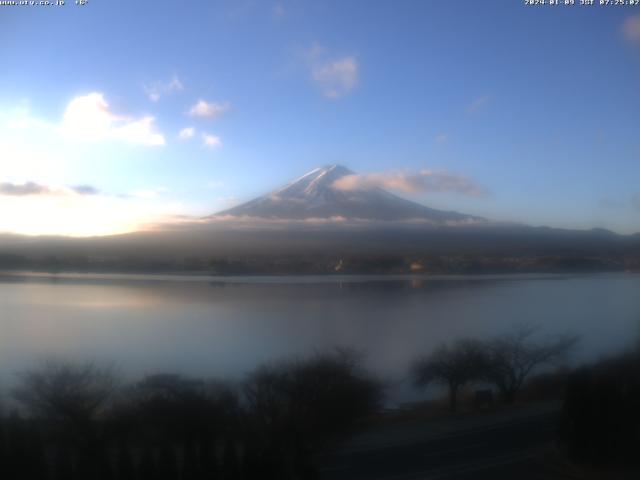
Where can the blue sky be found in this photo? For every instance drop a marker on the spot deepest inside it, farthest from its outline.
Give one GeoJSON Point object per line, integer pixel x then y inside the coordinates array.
{"type": "Point", "coordinates": [185, 108]}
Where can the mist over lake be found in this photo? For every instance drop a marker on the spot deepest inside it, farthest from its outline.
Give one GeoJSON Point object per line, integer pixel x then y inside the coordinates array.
{"type": "Point", "coordinates": [225, 327]}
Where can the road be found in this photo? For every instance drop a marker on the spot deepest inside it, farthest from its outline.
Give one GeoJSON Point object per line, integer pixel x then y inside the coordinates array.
{"type": "Point", "coordinates": [494, 447]}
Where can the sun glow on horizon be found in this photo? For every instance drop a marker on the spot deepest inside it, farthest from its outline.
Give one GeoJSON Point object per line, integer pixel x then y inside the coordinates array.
{"type": "Point", "coordinates": [41, 158]}
{"type": "Point", "coordinates": [79, 216]}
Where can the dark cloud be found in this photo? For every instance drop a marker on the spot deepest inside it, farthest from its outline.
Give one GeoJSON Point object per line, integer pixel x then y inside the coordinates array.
{"type": "Point", "coordinates": [32, 189]}
{"type": "Point", "coordinates": [629, 202]}
{"type": "Point", "coordinates": [85, 190]}
{"type": "Point", "coordinates": [612, 203]}
{"type": "Point", "coordinates": [23, 189]}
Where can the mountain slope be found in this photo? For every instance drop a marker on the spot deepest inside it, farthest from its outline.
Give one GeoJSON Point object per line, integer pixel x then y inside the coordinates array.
{"type": "Point", "coordinates": [314, 196]}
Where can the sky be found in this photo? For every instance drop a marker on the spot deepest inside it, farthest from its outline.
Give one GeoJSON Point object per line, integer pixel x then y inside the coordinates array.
{"type": "Point", "coordinates": [116, 114]}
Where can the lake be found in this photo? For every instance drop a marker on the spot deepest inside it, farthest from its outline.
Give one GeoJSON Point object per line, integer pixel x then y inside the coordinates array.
{"type": "Point", "coordinates": [225, 326]}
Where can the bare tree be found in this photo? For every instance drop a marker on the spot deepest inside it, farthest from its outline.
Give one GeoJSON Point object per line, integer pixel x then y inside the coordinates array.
{"type": "Point", "coordinates": [64, 390]}
{"type": "Point", "coordinates": [296, 407]}
{"type": "Point", "coordinates": [452, 365]}
{"type": "Point", "coordinates": [323, 394]}
{"type": "Point", "coordinates": [512, 357]}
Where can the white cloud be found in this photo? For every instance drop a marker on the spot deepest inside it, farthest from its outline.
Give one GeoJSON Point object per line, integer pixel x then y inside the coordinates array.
{"type": "Point", "coordinates": [426, 181]}
{"type": "Point", "coordinates": [149, 192]}
{"type": "Point", "coordinates": [354, 223]}
{"type": "Point", "coordinates": [631, 29]}
{"type": "Point", "coordinates": [478, 104]}
{"type": "Point", "coordinates": [61, 151]}
{"type": "Point", "coordinates": [42, 166]}
{"type": "Point", "coordinates": [175, 84]}
{"type": "Point", "coordinates": [441, 138]}
{"type": "Point", "coordinates": [335, 77]}
{"type": "Point", "coordinates": [211, 141]}
{"type": "Point", "coordinates": [241, 8]}
{"type": "Point", "coordinates": [278, 10]}
{"type": "Point", "coordinates": [49, 158]}
{"type": "Point", "coordinates": [89, 118]}
{"type": "Point", "coordinates": [187, 133]}
{"type": "Point", "coordinates": [158, 89]}
{"type": "Point", "coordinates": [228, 201]}
{"type": "Point", "coordinates": [140, 132]}
{"type": "Point", "coordinates": [205, 109]}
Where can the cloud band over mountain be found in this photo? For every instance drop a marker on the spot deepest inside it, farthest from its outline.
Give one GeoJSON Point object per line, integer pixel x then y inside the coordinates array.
{"type": "Point", "coordinates": [422, 182]}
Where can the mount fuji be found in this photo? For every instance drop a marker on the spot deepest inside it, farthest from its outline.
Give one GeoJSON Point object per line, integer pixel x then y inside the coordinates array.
{"type": "Point", "coordinates": [279, 233]}
{"type": "Point", "coordinates": [315, 195]}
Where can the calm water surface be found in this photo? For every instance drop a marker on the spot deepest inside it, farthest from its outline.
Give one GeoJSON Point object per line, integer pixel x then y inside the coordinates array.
{"type": "Point", "coordinates": [214, 326]}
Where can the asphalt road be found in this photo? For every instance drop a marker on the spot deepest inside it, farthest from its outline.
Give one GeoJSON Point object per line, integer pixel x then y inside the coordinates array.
{"type": "Point", "coordinates": [508, 449]}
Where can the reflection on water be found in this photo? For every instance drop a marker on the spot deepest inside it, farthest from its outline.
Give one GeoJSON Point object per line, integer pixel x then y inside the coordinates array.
{"type": "Point", "coordinates": [226, 326]}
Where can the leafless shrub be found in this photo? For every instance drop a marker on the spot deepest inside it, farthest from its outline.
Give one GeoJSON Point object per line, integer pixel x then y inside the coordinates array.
{"type": "Point", "coordinates": [453, 365]}
{"type": "Point", "coordinates": [511, 358]}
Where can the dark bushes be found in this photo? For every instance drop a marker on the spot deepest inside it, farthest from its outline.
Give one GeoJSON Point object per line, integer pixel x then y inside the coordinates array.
{"type": "Point", "coordinates": [601, 414]}
{"type": "Point", "coordinates": [296, 408]}
{"type": "Point", "coordinates": [80, 425]}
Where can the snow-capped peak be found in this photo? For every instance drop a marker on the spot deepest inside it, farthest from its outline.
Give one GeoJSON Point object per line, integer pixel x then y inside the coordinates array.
{"type": "Point", "coordinates": [313, 195]}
